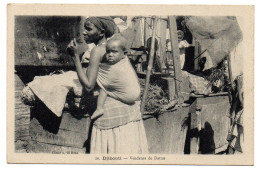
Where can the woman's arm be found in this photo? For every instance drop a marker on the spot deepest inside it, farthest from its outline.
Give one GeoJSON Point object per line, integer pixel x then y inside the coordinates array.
{"type": "Point", "coordinates": [88, 79]}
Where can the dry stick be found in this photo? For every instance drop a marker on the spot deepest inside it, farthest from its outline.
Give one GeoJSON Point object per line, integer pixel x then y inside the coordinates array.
{"type": "Point", "coordinates": [150, 66]}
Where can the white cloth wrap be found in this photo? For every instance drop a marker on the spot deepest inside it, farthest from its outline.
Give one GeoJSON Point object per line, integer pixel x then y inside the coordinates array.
{"type": "Point", "coordinates": [119, 81]}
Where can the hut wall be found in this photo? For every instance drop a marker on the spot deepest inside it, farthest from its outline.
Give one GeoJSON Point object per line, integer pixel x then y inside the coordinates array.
{"type": "Point", "coordinates": [22, 118]}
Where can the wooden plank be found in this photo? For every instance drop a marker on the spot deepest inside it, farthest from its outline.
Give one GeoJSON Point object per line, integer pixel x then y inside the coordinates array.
{"type": "Point", "coordinates": [166, 134]}
{"type": "Point", "coordinates": [68, 122]}
{"type": "Point", "coordinates": [194, 140]}
{"type": "Point", "coordinates": [210, 95]}
{"type": "Point", "coordinates": [213, 100]}
{"type": "Point", "coordinates": [214, 121]}
{"type": "Point", "coordinates": [175, 53]}
{"type": "Point", "coordinates": [171, 87]}
{"type": "Point", "coordinates": [62, 138]}
{"type": "Point", "coordinates": [209, 128]}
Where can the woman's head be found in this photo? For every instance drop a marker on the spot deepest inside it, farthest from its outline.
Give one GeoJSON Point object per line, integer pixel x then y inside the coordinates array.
{"type": "Point", "coordinates": [96, 28]}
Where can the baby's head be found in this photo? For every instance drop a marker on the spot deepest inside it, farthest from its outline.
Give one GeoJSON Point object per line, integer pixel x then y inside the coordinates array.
{"type": "Point", "coordinates": [116, 49]}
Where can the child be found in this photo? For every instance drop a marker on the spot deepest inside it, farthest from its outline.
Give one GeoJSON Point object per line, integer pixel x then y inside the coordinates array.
{"type": "Point", "coordinates": [182, 45]}
{"type": "Point", "coordinates": [116, 76]}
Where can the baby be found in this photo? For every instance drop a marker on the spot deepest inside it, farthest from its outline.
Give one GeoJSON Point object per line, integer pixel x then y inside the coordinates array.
{"type": "Point", "coordinates": [116, 76]}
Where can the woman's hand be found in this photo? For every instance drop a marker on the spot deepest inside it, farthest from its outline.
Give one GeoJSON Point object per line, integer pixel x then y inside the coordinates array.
{"type": "Point", "coordinates": [73, 50]}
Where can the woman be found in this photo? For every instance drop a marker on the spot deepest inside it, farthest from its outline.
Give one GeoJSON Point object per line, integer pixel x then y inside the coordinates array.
{"type": "Point", "coordinates": [120, 129]}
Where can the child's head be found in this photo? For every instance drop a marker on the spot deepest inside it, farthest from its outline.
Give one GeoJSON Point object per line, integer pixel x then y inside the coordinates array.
{"type": "Point", "coordinates": [180, 35]}
{"type": "Point", "coordinates": [116, 48]}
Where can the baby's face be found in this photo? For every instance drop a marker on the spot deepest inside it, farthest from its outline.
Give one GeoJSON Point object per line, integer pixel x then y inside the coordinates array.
{"type": "Point", "coordinates": [114, 52]}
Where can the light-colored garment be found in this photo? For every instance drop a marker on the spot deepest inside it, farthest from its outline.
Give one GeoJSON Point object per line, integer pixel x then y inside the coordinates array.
{"type": "Point", "coordinates": [52, 90]}
{"type": "Point", "coordinates": [182, 45]}
{"type": "Point", "coordinates": [126, 139]}
{"type": "Point", "coordinates": [86, 55]}
{"type": "Point", "coordinates": [118, 114]}
{"type": "Point", "coordinates": [119, 81]}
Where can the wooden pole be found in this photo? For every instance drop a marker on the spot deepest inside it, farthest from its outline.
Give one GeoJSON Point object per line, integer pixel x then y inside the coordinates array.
{"type": "Point", "coordinates": [150, 66]}
{"type": "Point", "coordinates": [196, 54]}
{"type": "Point", "coordinates": [230, 78]}
{"type": "Point", "coordinates": [175, 54]}
{"type": "Point", "coordinates": [229, 68]}
{"type": "Point", "coordinates": [145, 33]}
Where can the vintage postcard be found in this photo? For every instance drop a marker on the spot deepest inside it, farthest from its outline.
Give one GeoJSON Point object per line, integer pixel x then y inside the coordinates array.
{"type": "Point", "coordinates": [130, 84]}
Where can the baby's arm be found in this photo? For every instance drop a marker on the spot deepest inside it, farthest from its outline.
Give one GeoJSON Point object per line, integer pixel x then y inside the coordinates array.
{"type": "Point", "coordinates": [100, 104]}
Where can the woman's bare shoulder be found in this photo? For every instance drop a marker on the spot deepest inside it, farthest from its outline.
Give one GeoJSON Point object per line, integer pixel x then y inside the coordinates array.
{"type": "Point", "coordinates": [97, 53]}
{"type": "Point", "coordinates": [99, 50]}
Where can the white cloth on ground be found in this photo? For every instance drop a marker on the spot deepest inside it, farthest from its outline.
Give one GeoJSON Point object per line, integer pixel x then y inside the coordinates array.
{"type": "Point", "coordinates": [52, 90]}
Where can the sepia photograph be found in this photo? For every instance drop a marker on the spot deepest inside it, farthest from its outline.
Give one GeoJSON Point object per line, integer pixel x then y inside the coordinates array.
{"type": "Point", "coordinates": [130, 88]}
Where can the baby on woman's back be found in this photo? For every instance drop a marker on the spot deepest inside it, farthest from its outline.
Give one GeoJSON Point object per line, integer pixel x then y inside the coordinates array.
{"type": "Point", "coordinates": [116, 76]}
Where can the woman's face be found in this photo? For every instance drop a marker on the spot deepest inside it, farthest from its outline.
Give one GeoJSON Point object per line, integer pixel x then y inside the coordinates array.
{"type": "Point", "coordinates": [91, 33]}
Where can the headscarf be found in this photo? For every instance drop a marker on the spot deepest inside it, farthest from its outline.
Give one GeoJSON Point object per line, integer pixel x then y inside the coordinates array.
{"type": "Point", "coordinates": [104, 23]}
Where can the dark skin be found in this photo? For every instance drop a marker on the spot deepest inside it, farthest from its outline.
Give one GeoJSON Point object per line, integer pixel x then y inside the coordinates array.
{"type": "Point", "coordinates": [91, 35]}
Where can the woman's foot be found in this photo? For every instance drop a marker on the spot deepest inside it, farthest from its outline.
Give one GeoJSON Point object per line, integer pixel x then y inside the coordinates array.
{"type": "Point", "coordinates": [97, 113]}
